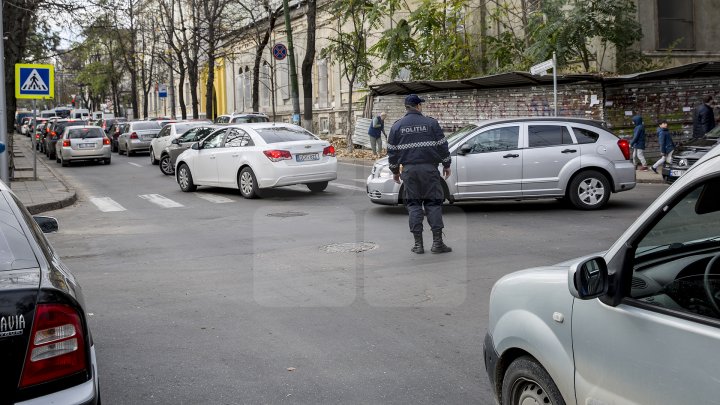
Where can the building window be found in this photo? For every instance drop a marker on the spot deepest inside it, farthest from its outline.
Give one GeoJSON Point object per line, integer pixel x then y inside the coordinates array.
{"type": "Point", "coordinates": [676, 24]}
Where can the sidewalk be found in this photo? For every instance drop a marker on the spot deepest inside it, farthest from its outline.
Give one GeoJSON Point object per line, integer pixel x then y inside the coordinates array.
{"type": "Point", "coordinates": [49, 191]}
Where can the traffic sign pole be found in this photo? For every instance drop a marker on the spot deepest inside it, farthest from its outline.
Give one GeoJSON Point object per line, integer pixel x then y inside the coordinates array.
{"type": "Point", "coordinates": [34, 141]}
{"type": "Point", "coordinates": [4, 162]}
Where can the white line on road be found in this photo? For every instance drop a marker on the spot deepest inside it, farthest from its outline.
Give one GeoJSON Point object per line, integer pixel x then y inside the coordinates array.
{"type": "Point", "coordinates": [214, 198]}
{"type": "Point", "coordinates": [134, 164]}
{"type": "Point", "coordinates": [106, 204]}
{"type": "Point", "coordinates": [160, 200]}
{"type": "Point", "coordinates": [346, 187]}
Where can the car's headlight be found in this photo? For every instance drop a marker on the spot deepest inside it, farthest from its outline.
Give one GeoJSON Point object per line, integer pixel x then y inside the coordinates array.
{"type": "Point", "coordinates": [384, 173]}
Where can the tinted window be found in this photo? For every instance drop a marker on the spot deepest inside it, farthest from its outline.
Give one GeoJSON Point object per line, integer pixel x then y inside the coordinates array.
{"type": "Point", "coordinates": [15, 249]}
{"type": "Point", "coordinates": [284, 134]}
{"type": "Point", "coordinates": [195, 134]}
{"type": "Point", "coordinates": [214, 140]}
{"type": "Point", "coordinates": [548, 135]}
{"type": "Point", "coordinates": [254, 118]}
{"type": "Point", "coordinates": [140, 126]}
{"type": "Point", "coordinates": [585, 135]}
{"type": "Point", "coordinates": [84, 133]}
{"type": "Point", "coordinates": [495, 140]}
{"type": "Point", "coordinates": [60, 126]}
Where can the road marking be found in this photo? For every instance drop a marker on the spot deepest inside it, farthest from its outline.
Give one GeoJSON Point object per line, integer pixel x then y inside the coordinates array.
{"type": "Point", "coordinates": [134, 164]}
{"type": "Point", "coordinates": [106, 204]}
{"type": "Point", "coordinates": [214, 198]}
{"type": "Point", "coordinates": [346, 187]}
{"type": "Point", "coordinates": [164, 202]}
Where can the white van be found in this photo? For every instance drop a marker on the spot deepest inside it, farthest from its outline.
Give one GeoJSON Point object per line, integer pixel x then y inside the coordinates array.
{"type": "Point", "coordinates": [80, 114]}
{"type": "Point", "coordinates": [100, 115]}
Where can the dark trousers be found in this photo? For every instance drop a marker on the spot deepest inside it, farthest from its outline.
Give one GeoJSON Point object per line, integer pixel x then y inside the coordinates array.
{"type": "Point", "coordinates": [423, 195]}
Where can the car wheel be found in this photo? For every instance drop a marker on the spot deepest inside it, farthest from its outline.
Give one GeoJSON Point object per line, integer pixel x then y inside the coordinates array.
{"type": "Point", "coordinates": [166, 166]}
{"type": "Point", "coordinates": [120, 151]}
{"type": "Point", "coordinates": [247, 183]}
{"type": "Point", "coordinates": [527, 382]}
{"type": "Point", "coordinates": [317, 187]}
{"type": "Point", "coordinates": [589, 190]}
{"type": "Point", "coordinates": [107, 161]}
{"type": "Point", "coordinates": [63, 162]}
{"type": "Point", "coordinates": [153, 161]}
{"type": "Point", "coordinates": [57, 158]}
{"type": "Point", "coordinates": [127, 150]}
{"type": "Point", "coordinates": [184, 179]}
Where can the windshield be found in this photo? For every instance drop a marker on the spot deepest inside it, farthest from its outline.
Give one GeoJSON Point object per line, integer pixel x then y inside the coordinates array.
{"type": "Point", "coordinates": [15, 250]}
{"type": "Point", "coordinates": [714, 133]}
{"type": "Point", "coordinates": [458, 135]}
{"type": "Point", "coordinates": [140, 126]}
{"type": "Point", "coordinates": [284, 134]}
{"type": "Point", "coordinates": [85, 133]}
{"type": "Point", "coordinates": [253, 118]}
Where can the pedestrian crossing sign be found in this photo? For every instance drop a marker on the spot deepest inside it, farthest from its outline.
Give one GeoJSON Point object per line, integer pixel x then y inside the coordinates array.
{"type": "Point", "coordinates": [34, 81]}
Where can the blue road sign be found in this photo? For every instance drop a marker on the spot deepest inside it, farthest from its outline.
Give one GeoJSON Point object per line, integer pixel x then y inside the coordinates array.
{"type": "Point", "coordinates": [279, 51]}
{"type": "Point", "coordinates": [34, 81]}
{"type": "Point", "coordinates": [162, 91]}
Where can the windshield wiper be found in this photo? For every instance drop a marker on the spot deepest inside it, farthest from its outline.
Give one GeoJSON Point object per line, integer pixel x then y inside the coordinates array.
{"type": "Point", "coordinates": [669, 246]}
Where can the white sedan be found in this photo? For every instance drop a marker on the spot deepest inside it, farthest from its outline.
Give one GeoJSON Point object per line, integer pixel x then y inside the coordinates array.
{"type": "Point", "coordinates": [251, 157]}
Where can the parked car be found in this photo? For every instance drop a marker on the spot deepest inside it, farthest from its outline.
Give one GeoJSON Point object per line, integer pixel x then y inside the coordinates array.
{"type": "Point", "coordinates": [166, 135]}
{"type": "Point", "coordinates": [83, 143]}
{"type": "Point", "coordinates": [251, 157]}
{"type": "Point", "coordinates": [169, 155]}
{"type": "Point", "coordinates": [687, 153]}
{"type": "Point", "coordinates": [19, 119]}
{"type": "Point", "coordinates": [80, 114]}
{"type": "Point", "coordinates": [241, 118]}
{"type": "Point", "coordinates": [527, 158]}
{"type": "Point", "coordinates": [44, 132]}
{"type": "Point", "coordinates": [25, 126]}
{"type": "Point", "coordinates": [56, 131]}
{"type": "Point", "coordinates": [48, 354]}
{"type": "Point", "coordinates": [116, 130]}
{"type": "Point", "coordinates": [137, 136]}
{"type": "Point", "coordinates": [637, 324]}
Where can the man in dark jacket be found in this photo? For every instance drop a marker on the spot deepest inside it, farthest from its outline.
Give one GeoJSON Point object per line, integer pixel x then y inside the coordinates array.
{"type": "Point", "coordinates": [417, 143]}
{"type": "Point", "coordinates": [376, 130]}
{"type": "Point", "coordinates": [666, 145]}
{"type": "Point", "coordinates": [638, 143]}
{"type": "Point", "coordinates": [704, 119]}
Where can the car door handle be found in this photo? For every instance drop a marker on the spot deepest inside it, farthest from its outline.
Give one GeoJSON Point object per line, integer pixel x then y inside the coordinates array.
{"type": "Point", "coordinates": [569, 151]}
{"type": "Point", "coordinates": [511, 155]}
{"type": "Point", "coordinates": [212, 157]}
{"type": "Point", "coordinates": [236, 155]}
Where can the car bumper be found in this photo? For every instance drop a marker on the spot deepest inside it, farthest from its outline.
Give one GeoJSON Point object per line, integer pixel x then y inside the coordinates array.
{"type": "Point", "coordinates": [670, 174]}
{"type": "Point", "coordinates": [87, 393]}
{"type": "Point", "coordinates": [491, 361]}
{"type": "Point", "coordinates": [383, 190]}
{"type": "Point", "coordinates": [289, 175]}
{"type": "Point", "coordinates": [136, 145]}
{"type": "Point", "coordinates": [76, 154]}
{"type": "Point", "coordinates": [624, 176]}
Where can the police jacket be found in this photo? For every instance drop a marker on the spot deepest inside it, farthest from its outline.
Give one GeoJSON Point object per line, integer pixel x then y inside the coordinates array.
{"type": "Point", "coordinates": [665, 141]}
{"type": "Point", "coordinates": [704, 120]}
{"type": "Point", "coordinates": [415, 139]}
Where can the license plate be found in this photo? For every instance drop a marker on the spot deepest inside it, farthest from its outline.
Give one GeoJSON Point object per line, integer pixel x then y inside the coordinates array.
{"type": "Point", "coordinates": [676, 173]}
{"type": "Point", "coordinates": [87, 146]}
{"type": "Point", "coordinates": [146, 137]}
{"type": "Point", "coordinates": [307, 156]}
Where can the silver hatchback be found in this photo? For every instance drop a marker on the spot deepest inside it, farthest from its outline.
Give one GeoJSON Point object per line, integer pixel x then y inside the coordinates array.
{"type": "Point", "coordinates": [137, 137]}
{"type": "Point", "coordinates": [577, 160]}
{"type": "Point", "coordinates": [85, 142]}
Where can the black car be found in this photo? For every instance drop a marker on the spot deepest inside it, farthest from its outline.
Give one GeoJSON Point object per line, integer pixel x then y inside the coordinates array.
{"type": "Point", "coordinates": [56, 131]}
{"type": "Point", "coordinates": [115, 130]}
{"type": "Point", "coordinates": [47, 354]}
{"type": "Point", "coordinates": [107, 123]}
{"type": "Point", "coordinates": [688, 152]}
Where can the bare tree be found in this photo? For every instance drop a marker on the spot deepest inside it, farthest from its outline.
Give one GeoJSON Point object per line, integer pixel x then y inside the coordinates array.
{"type": "Point", "coordinates": [261, 23]}
{"type": "Point", "coordinates": [308, 62]}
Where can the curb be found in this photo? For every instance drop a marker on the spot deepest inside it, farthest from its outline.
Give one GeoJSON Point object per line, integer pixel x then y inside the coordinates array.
{"type": "Point", "coordinates": [356, 161]}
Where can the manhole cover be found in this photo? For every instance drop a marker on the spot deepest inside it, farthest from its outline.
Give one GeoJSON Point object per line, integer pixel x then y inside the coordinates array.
{"type": "Point", "coordinates": [353, 247]}
{"type": "Point", "coordinates": [287, 214]}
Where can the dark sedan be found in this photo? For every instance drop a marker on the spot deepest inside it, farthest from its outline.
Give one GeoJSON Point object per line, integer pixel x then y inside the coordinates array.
{"type": "Point", "coordinates": [181, 144]}
{"type": "Point", "coordinates": [47, 355]}
{"type": "Point", "coordinates": [687, 153]}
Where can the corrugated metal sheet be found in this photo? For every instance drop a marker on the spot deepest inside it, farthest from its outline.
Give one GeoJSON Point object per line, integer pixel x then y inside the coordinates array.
{"type": "Point", "coordinates": [360, 135]}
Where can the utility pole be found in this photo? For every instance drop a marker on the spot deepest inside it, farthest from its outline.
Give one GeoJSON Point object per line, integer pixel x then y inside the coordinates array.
{"type": "Point", "coordinates": [293, 71]}
{"type": "Point", "coordinates": [4, 162]}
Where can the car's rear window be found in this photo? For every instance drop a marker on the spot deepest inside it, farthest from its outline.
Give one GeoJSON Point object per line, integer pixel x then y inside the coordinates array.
{"type": "Point", "coordinates": [84, 133]}
{"type": "Point", "coordinates": [140, 126]}
{"type": "Point", "coordinates": [244, 120]}
{"type": "Point", "coordinates": [15, 250]}
{"type": "Point", "coordinates": [284, 134]}
{"type": "Point", "coordinates": [585, 135]}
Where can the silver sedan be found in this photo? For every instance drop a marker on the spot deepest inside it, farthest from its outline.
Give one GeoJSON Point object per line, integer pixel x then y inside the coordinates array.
{"type": "Point", "coordinates": [85, 142]}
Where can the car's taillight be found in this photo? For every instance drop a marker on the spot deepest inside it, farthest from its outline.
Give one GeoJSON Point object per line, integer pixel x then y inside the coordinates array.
{"type": "Point", "coordinates": [277, 155]}
{"type": "Point", "coordinates": [66, 143]}
{"type": "Point", "coordinates": [134, 135]}
{"type": "Point", "coordinates": [106, 141]}
{"type": "Point", "coordinates": [53, 134]}
{"type": "Point", "coordinates": [57, 346]}
{"type": "Point", "coordinates": [624, 148]}
{"type": "Point", "coordinates": [329, 151]}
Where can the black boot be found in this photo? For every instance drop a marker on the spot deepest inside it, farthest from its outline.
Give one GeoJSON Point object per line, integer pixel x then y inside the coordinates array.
{"type": "Point", "coordinates": [418, 247]}
{"type": "Point", "coordinates": [438, 246]}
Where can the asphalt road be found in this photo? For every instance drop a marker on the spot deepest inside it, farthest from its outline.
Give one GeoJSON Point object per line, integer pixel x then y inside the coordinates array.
{"type": "Point", "coordinates": [207, 298]}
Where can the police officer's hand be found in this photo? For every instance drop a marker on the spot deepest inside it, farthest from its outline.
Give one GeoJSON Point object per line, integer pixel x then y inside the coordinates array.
{"type": "Point", "coordinates": [396, 177]}
{"type": "Point", "coordinates": [446, 172]}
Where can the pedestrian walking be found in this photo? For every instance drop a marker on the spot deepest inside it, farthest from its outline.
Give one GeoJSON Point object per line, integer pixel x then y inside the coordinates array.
{"type": "Point", "coordinates": [416, 147]}
{"type": "Point", "coordinates": [666, 145]}
{"type": "Point", "coordinates": [704, 118]}
{"type": "Point", "coordinates": [638, 143]}
{"type": "Point", "coordinates": [376, 130]}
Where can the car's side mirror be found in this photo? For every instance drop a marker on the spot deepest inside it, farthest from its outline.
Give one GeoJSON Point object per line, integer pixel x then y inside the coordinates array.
{"type": "Point", "coordinates": [588, 278]}
{"type": "Point", "coordinates": [47, 224]}
{"type": "Point", "coordinates": [465, 149]}
{"type": "Point", "coordinates": [196, 146]}
{"type": "Point", "coordinates": [175, 141]}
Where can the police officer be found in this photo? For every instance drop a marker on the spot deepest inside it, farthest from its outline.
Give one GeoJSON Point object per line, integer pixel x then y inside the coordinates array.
{"type": "Point", "coordinates": [417, 144]}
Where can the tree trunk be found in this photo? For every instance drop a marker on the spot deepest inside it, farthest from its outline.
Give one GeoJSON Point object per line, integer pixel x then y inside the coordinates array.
{"type": "Point", "coordinates": [258, 58]}
{"type": "Point", "coordinates": [181, 91]}
{"type": "Point", "coordinates": [209, 86]}
{"type": "Point", "coordinates": [307, 65]}
{"type": "Point", "coordinates": [348, 136]}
